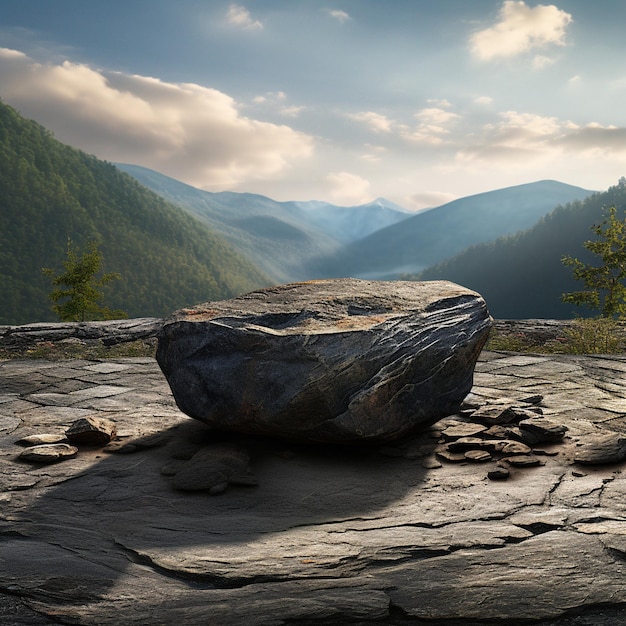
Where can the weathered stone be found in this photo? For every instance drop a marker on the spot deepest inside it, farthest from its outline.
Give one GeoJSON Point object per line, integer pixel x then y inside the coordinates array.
{"type": "Point", "coordinates": [466, 443]}
{"type": "Point", "coordinates": [341, 360]}
{"type": "Point", "coordinates": [522, 460]}
{"type": "Point", "coordinates": [443, 452]}
{"type": "Point", "coordinates": [41, 439]}
{"type": "Point", "coordinates": [213, 468]}
{"type": "Point", "coordinates": [49, 453]}
{"type": "Point", "coordinates": [600, 449]}
{"type": "Point", "coordinates": [492, 415]}
{"type": "Point", "coordinates": [330, 536]}
{"type": "Point", "coordinates": [514, 448]}
{"type": "Point", "coordinates": [537, 430]}
{"type": "Point", "coordinates": [477, 456]}
{"type": "Point", "coordinates": [464, 429]}
{"type": "Point", "coordinates": [91, 431]}
{"type": "Point", "coordinates": [498, 473]}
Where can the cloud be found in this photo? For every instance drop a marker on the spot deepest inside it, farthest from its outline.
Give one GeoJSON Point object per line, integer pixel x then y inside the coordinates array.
{"type": "Point", "coordinates": [434, 125]}
{"type": "Point", "coordinates": [292, 111]}
{"type": "Point", "coordinates": [240, 17]}
{"type": "Point", "coordinates": [375, 121]}
{"type": "Point", "coordinates": [427, 200]}
{"type": "Point", "coordinates": [595, 139]}
{"type": "Point", "coordinates": [526, 138]}
{"type": "Point", "coordinates": [519, 29]}
{"type": "Point", "coordinates": [348, 188]}
{"type": "Point", "coordinates": [341, 16]}
{"type": "Point", "coordinates": [188, 131]}
{"type": "Point", "coordinates": [484, 100]}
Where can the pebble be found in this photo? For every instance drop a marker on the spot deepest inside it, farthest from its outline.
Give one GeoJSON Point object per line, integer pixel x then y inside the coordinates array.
{"type": "Point", "coordinates": [49, 453]}
{"type": "Point", "coordinates": [42, 439]}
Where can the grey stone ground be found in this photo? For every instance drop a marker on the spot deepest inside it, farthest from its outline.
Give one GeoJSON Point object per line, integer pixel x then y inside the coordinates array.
{"type": "Point", "coordinates": [328, 536]}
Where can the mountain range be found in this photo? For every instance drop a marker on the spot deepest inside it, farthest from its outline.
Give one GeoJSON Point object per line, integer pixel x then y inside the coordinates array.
{"type": "Point", "coordinates": [282, 239]}
{"type": "Point", "coordinates": [522, 276]}
{"type": "Point", "coordinates": [175, 245]}
{"type": "Point", "coordinates": [432, 236]}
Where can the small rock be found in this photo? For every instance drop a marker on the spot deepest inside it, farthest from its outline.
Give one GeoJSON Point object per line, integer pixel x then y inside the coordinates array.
{"type": "Point", "coordinates": [478, 456]}
{"type": "Point", "coordinates": [431, 463]}
{"type": "Point", "coordinates": [41, 439]}
{"type": "Point", "coordinates": [497, 432]}
{"type": "Point", "coordinates": [91, 431]}
{"type": "Point", "coordinates": [212, 468]}
{"type": "Point", "coordinates": [465, 443]}
{"type": "Point", "coordinates": [544, 452]}
{"type": "Point", "coordinates": [491, 415]}
{"type": "Point", "coordinates": [515, 448]}
{"type": "Point", "coordinates": [498, 473]}
{"type": "Point", "coordinates": [49, 453]}
{"type": "Point", "coordinates": [601, 449]}
{"type": "Point", "coordinates": [463, 429]}
{"type": "Point", "coordinates": [447, 455]}
{"type": "Point", "coordinates": [539, 430]}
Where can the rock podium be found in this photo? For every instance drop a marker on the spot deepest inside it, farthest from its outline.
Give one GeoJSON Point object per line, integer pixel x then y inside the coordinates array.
{"type": "Point", "coordinates": [334, 361]}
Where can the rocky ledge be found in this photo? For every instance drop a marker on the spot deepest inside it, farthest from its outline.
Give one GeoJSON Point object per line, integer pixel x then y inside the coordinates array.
{"type": "Point", "coordinates": [404, 533]}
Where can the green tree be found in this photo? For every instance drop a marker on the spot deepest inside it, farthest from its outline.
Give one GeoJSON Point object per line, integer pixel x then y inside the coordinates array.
{"type": "Point", "coordinates": [76, 292]}
{"type": "Point", "coordinates": [605, 284]}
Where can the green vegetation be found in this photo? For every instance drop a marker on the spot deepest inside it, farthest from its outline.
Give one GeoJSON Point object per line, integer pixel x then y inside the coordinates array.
{"type": "Point", "coordinates": [605, 284]}
{"type": "Point", "coordinates": [80, 349]}
{"type": "Point", "coordinates": [79, 301]}
{"type": "Point", "coordinates": [522, 276]}
{"type": "Point", "coordinates": [50, 192]}
{"type": "Point", "coordinates": [583, 336]}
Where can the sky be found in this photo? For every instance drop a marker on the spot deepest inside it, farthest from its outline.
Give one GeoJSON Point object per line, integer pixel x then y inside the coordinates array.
{"type": "Point", "coordinates": [345, 101]}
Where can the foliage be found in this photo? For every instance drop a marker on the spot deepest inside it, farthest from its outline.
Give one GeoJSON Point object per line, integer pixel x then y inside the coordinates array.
{"type": "Point", "coordinates": [50, 191]}
{"type": "Point", "coordinates": [79, 300]}
{"type": "Point", "coordinates": [606, 283]}
{"type": "Point", "coordinates": [597, 335]}
{"type": "Point", "coordinates": [80, 349]}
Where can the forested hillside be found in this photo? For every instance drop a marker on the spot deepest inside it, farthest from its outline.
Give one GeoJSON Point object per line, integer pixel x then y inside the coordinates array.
{"type": "Point", "coordinates": [437, 234]}
{"type": "Point", "coordinates": [522, 276]}
{"type": "Point", "coordinates": [50, 192]}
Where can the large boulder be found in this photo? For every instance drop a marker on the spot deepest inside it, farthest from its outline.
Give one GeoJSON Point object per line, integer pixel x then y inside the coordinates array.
{"type": "Point", "coordinates": [340, 360]}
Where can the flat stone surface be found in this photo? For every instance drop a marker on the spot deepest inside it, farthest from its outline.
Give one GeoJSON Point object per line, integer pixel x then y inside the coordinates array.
{"type": "Point", "coordinates": [328, 536]}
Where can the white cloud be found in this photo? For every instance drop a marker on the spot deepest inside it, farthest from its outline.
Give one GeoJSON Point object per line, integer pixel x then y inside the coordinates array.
{"type": "Point", "coordinates": [434, 125]}
{"type": "Point", "coordinates": [292, 111]}
{"type": "Point", "coordinates": [348, 188]}
{"type": "Point", "coordinates": [484, 100]}
{"type": "Point", "coordinates": [240, 17]}
{"type": "Point", "coordinates": [522, 139]}
{"type": "Point", "coordinates": [520, 28]}
{"type": "Point", "coordinates": [375, 121]}
{"type": "Point", "coordinates": [190, 132]}
{"type": "Point", "coordinates": [341, 16]}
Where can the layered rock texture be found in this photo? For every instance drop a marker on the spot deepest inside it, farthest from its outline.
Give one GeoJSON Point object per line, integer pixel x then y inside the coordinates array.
{"type": "Point", "coordinates": [395, 534]}
{"type": "Point", "coordinates": [335, 361]}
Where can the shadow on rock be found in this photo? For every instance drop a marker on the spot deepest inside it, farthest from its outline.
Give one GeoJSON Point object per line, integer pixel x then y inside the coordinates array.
{"type": "Point", "coordinates": [119, 521]}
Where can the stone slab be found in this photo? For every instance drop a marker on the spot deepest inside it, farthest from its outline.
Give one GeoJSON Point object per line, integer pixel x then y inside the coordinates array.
{"type": "Point", "coordinates": [328, 536]}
